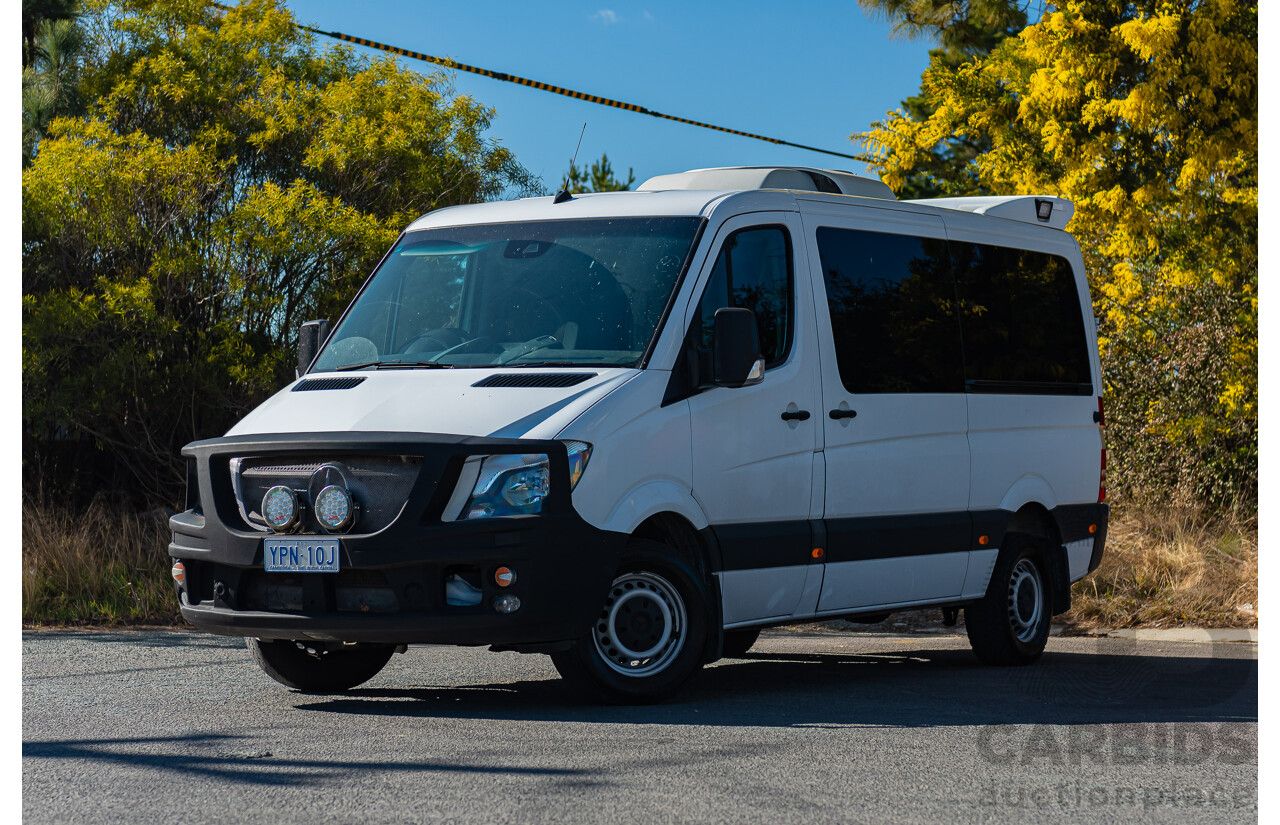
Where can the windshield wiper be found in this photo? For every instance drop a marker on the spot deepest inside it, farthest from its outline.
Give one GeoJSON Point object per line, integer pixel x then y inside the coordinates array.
{"type": "Point", "coordinates": [575, 363]}
{"type": "Point", "coordinates": [394, 364]}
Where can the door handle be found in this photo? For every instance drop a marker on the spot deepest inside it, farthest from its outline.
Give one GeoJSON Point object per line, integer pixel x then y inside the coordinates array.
{"type": "Point", "coordinates": [798, 415]}
{"type": "Point", "coordinates": [836, 415]}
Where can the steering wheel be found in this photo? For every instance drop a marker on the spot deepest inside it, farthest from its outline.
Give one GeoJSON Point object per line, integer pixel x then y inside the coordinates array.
{"type": "Point", "coordinates": [435, 340]}
{"type": "Point", "coordinates": [538, 301]}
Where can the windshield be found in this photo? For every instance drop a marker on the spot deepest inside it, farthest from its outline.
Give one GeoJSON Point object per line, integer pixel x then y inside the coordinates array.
{"type": "Point", "coordinates": [584, 292]}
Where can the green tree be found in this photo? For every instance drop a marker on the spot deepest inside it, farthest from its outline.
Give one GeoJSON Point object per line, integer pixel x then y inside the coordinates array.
{"type": "Point", "coordinates": [965, 30]}
{"type": "Point", "coordinates": [1146, 116]}
{"type": "Point", "coordinates": [599, 177]}
{"type": "Point", "coordinates": [228, 181]}
{"type": "Point", "coordinates": [52, 43]}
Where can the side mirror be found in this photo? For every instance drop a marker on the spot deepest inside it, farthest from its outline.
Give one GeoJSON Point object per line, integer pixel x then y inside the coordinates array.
{"type": "Point", "coordinates": [310, 337]}
{"type": "Point", "coordinates": [735, 349]}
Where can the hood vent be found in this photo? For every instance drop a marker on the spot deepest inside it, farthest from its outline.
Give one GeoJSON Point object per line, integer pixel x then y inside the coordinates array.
{"type": "Point", "coordinates": [536, 379]}
{"type": "Point", "coordinates": [344, 383]}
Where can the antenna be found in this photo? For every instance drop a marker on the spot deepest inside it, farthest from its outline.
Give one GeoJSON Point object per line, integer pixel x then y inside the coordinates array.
{"type": "Point", "coordinates": [563, 195]}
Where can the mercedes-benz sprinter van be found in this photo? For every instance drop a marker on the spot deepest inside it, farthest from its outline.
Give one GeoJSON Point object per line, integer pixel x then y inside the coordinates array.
{"type": "Point", "coordinates": [631, 429]}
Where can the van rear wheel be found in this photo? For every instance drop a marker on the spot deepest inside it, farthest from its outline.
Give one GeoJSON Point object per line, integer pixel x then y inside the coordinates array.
{"type": "Point", "coordinates": [316, 667]}
{"type": "Point", "coordinates": [649, 635]}
{"type": "Point", "coordinates": [1010, 626]}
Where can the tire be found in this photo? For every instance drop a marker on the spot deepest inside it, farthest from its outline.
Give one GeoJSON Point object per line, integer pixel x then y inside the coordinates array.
{"type": "Point", "coordinates": [331, 669]}
{"type": "Point", "coordinates": [651, 631]}
{"type": "Point", "coordinates": [1010, 626]}
{"type": "Point", "coordinates": [738, 642]}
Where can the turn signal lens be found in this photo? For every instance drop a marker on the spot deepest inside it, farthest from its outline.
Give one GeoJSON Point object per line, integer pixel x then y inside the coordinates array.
{"type": "Point", "coordinates": [579, 454]}
{"type": "Point", "coordinates": [179, 572]}
{"type": "Point", "coordinates": [504, 576]}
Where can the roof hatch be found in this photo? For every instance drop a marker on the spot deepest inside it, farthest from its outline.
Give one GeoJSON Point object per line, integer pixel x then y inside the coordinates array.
{"type": "Point", "coordinates": [802, 178]}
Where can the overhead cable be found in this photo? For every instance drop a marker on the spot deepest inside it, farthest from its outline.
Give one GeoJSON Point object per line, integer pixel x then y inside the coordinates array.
{"type": "Point", "coordinates": [560, 90]}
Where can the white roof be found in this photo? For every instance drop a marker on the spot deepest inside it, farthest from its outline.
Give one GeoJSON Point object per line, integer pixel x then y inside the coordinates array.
{"type": "Point", "coordinates": [674, 203]}
{"type": "Point", "coordinates": [1023, 208]}
{"type": "Point", "coordinates": [591, 205]}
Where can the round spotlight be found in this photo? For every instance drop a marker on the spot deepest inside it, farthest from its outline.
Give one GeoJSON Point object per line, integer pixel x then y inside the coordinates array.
{"type": "Point", "coordinates": [334, 509]}
{"type": "Point", "coordinates": [280, 508]}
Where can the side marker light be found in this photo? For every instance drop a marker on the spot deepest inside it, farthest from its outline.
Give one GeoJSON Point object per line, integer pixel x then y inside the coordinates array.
{"type": "Point", "coordinates": [504, 576]}
{"type": "Point", "coordinates": [179, 572]}
{"type": "Point", "coordinates": [818, 552]}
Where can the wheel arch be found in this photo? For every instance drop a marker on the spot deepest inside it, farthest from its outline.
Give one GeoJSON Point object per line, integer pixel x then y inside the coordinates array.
{"type": "Point", "coordinates": [700, 551]}
{"type": "Point", "coordinates": [1035, 519]}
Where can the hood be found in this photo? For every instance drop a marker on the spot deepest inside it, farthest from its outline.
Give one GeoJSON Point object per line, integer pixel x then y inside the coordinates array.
{"type": "Point", "coordinates": [435, 401]}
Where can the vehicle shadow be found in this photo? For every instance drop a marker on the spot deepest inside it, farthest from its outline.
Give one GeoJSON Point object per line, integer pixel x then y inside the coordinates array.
{"type": "Point", "coordinates": [225, 757]}
{"type": "Point", "coordinates": [912, 688]}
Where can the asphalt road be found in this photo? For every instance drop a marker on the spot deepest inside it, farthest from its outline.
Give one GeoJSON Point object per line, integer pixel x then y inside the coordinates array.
{"type": "Point", "coordinates": [176, 727]}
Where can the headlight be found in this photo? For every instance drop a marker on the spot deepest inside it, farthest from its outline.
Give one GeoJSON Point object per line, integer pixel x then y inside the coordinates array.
{"type": "Point", "coordinates": [510, 485]}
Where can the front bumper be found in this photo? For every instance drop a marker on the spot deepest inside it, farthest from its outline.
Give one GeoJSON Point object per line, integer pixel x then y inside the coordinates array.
{"type": "Point", "coordinates": [391, 586]}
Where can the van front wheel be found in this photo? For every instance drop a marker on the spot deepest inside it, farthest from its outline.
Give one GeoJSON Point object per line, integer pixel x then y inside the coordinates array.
{"type": "Point", "coordinates": [314, 667]}
{"type": "Point", "coordinates": [649, 635]}
{"type": "Point", "coordinates": [1010, 626]}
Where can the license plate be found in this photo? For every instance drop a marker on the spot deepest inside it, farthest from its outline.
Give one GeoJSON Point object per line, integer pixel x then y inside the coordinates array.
{"type": "Point", "coordinates": [300, 554]}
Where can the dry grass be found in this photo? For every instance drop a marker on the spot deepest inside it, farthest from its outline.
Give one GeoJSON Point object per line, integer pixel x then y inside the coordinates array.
{"type": "Point", "coordinates": [1171, 568]}
{"type": "Point", "coordinates": [100, 566]}
{"type": "Point", "coordinates": [1161, 568]}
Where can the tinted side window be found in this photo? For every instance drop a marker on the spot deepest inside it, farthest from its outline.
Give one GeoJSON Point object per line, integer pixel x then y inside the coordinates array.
{"type": "Point", "coordinates": [753, 272]}
{"type": "Point", "coordinates": [1021, 318]}
{"type": "Point", "coordinates": [893, 316]}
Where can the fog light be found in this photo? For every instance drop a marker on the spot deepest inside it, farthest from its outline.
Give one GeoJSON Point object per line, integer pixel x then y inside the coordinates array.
{"type": "Point", "coordinates": [506, 603]}
{"type": "Point", "coordinates": [280, 508]}
{"type": "Point", "coordinates": [334, 509]}
{"type": "Point", "coordinates": [504, 576]}
{"type": "Point", "coordinates": [179, 572]}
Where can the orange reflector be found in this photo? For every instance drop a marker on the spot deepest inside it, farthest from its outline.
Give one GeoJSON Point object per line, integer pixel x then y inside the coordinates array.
{"type": "Point", "coordinates": [984, 540]}
{"type": "Point", "coordinates": [504, 576]}
{"type": "Point", "coordinates": [179, 572]}
{"type": "Point", "coordinates": [818, 552]}
{"type": "Point", "coordinates": [1093, 528]}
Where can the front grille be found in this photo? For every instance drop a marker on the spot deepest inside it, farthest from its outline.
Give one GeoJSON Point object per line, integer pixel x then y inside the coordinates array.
{"type": "Point", "coordinates": [380, 484]}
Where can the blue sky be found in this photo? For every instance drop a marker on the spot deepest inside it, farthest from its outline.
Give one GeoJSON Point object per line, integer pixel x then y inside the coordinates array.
{"type": "Point", "coordinates": [811, 72]}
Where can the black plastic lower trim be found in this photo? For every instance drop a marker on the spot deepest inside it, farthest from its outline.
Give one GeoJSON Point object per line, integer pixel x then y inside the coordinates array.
{"type": "Point", "coordinates": [564, 566]}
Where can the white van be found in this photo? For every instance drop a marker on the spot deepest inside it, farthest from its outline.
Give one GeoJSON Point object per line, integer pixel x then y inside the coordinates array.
{"type": "Point", "coordinates": [631, 429]}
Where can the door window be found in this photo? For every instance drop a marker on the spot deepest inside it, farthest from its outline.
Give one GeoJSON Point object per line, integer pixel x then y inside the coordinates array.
{"type": "Point", "coordinates": [753, 272]}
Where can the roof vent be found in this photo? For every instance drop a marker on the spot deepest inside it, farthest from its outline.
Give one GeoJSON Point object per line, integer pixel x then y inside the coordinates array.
{"type": "Point", "coordinates": [801, 178]}
{"type": "Point", "coordinates": [535, 379]}
{"type": "Point", "coordinates": [344, 383]}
